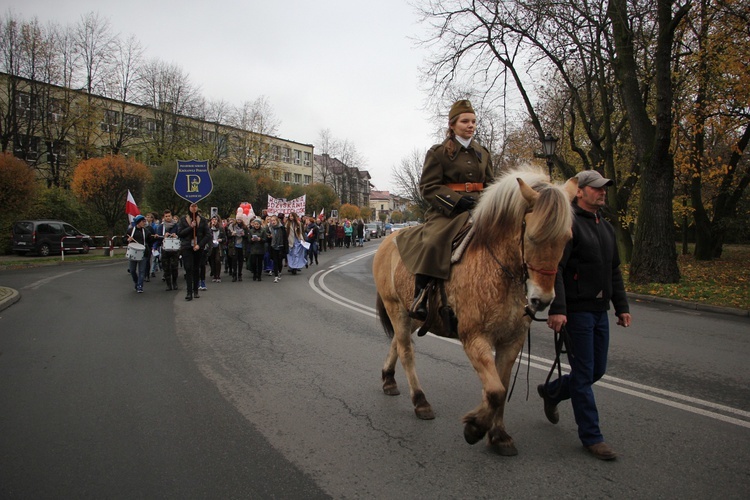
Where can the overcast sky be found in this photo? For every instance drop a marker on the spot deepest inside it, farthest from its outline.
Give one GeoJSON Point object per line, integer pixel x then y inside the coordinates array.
{"type": "Point", "coordinates": [350, 66]}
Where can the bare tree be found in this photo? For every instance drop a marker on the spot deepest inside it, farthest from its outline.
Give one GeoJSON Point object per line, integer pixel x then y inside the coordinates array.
{"type": "Point", "coordinates": [407, 176]}
{"type": "Point", "coordinates": [167, 90]}
{"type": "Point", "coordinates": [125, 78]}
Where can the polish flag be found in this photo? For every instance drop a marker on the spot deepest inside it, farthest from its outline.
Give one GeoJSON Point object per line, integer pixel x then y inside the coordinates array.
{"type": "Point", "coordinates": [131, 208]}
{"type": "Point", "coordinates": [322, 213]}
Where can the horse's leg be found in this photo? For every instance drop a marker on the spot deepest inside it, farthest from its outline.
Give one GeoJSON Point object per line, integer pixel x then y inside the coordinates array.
{"type": "Point", "coordinates": [499, 439]}
{"type": "Point", "coordinates": [422, 408]}
{"type": "Point", "coordinates": [389, 370]}
{"type": "Point", "coordinates": [478, 421]}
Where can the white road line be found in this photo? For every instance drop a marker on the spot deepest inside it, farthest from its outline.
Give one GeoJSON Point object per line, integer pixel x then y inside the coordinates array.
{"type": "Point", "coordinates": [654, 394]}
{"type": "Point", "coordinates": [37, 284]}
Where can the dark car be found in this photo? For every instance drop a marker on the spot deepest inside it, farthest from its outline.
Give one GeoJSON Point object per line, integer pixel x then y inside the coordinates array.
{"type": "Point", "coordinates": [43, 237]}
{"type": "Point", "coordinates": [373, 230]}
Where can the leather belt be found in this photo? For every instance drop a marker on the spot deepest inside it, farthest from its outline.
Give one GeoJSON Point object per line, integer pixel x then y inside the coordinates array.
{"type": "Point", "coordinates": [466, 187]}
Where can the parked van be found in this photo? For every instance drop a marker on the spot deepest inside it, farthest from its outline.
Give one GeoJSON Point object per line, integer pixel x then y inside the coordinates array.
{"type": "Point", "coordinates": [43, 237]}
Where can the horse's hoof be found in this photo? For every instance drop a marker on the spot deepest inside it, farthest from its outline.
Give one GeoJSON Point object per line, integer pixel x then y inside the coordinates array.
{"type": "Point", "coordinates": [391, 390]}
{"type": "Point", "coordinates": [501, 442]}
{"type": "Point", "coordinates": [472, 433]}
{"type": "Point", "coordinates": [424, 412]}
{"type": "Point", "coordinates": [506, 450]}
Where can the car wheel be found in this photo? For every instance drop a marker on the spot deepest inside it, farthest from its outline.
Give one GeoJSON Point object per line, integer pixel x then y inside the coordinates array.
{"type": "Point", "coordinates": [85, 248]}
{"type": "Point", "coordinates": [44, 250]}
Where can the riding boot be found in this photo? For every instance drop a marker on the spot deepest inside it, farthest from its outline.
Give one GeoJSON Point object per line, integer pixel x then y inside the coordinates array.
{"type": "Point", "coordinates": [189, 286]}
{"type": "Point", "coordinates": [418, 309]}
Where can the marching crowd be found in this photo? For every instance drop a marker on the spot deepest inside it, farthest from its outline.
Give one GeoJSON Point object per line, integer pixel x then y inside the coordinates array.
{"type": "Point", "coordinates": [265, 246]}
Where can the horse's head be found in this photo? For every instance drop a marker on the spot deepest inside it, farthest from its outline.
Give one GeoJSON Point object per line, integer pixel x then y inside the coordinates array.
{"type": "Point", "coordinates": [547, 229]}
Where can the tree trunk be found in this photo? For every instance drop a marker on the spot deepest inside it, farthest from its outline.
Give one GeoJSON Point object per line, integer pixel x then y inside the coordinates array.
{"type": "Point", "coordinates": [654, 251]}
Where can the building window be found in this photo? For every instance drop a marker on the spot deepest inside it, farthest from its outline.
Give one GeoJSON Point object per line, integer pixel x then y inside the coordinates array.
{"type": "Point", "coordinates": [308, 179]}
{"type": "Point", "coordinates": [382, 207]}
{"type": "Point", "coordinates": [132, 122]}
{"type": "Point", "coordinates": [57, 152]}
{"type": "Point", "coordinates": [297, 157]}
{"type": "Point", "coordinates": [111, 120]}
{"type": "Point", "coordinates": [151, 126]}
{"type": "Point", "coordinates": [286, 155]}
{"type": "Point", "coordinates": [287, 177]}
{"type": "Point", "coordinates": [27, 148]}
{"type": "Point", "coordinates": [308, 157]}
{"type": "Point", "coordinates": [56, 110]}
{"type": "Point", "coordinates": [297, 178]}
{"type": "Point", "coordinates": [275, 152]}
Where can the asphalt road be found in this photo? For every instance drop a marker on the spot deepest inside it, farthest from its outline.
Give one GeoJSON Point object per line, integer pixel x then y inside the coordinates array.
{"type": "Point", "coordinates": [263, 390]}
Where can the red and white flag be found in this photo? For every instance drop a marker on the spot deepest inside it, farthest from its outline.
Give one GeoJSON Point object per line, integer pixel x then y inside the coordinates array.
{"type": "Point", "coordinates": [322, 213]}
{"type": "Point", "coordinates": [131, 208]}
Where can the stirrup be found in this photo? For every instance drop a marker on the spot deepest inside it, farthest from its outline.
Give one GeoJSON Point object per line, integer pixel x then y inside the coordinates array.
{"type": "Point", "coordinates": [418, 309]}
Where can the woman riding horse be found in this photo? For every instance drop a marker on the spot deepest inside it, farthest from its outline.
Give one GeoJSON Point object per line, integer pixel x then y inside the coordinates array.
{"type": "Point", "coordinates": [454, 174]}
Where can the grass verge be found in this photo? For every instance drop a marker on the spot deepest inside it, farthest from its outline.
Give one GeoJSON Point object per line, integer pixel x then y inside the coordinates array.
{"type": "Point", "coordinates": [722, 282]}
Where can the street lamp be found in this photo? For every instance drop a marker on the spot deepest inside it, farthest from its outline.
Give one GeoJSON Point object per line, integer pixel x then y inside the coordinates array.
{"type": "Point", "coordinates": [549, 144]}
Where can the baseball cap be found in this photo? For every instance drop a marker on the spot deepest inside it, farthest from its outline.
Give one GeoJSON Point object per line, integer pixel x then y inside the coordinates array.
{"type": "Point", "coordinates": [592, 178]}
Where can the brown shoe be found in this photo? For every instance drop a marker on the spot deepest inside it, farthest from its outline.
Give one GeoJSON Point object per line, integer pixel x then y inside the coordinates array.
{"type": "Point", "coordinates": [550, 408]}
{"type": "Point", "coordinates": [602, 451]}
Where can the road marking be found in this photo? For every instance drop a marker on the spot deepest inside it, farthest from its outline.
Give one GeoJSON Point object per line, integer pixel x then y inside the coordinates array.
{"type": "Point", "coordinates": [37, 284]}
{"type": "Point", "coordinates": [653, 394]}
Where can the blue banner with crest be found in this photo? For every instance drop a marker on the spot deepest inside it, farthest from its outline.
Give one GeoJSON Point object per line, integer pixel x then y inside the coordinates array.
{"type": "Point", "coordinates": [193, 181]}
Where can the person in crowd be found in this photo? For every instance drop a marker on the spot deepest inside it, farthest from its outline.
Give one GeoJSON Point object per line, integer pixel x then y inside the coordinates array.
{"type": "Point", "coordinates": [257, 237]}
{"type": "Point", "coordinates": [170, 255]}
{"type": "Point", "coordinates": [332, 228]}
{"type": "Point", "coordinates": [322, 234]}
{"type": "Point", "coordinates": [348, 231]}
{"type": "Point", "coordinates": [143, 235]}
{"type": "Point", "coordinates": [279, 246]}
{"type": "Point", "coordinates": [311, 236]}
{"type": "Point", "coordinates": [354, 232]}
{"type": "Point", "coordinates": [296, 254]}
{"type": "Point", "coordinates": [227, 253]}
{"type": "Point", "coordinates": [150, 222]}
{"type": "Point", "coordinates": [360, 233]}
{"type": "Point", "coordinates": [588, 279]}
{"type": "Point", "coordinates": [236, 234]}
{"type": "Point", "coordinates": [268, 265]}
{"type": "Point", "coordinates": [454, 175]}
{"type": "Point", "coordinates": [218, 241]}
{"type": "Point", "coordinates": [194, 236]}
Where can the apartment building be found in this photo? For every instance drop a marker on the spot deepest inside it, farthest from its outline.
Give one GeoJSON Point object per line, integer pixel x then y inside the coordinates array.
{"type": "Point", "coordinates": [53, 128]}
{"type": "Point", "coordinates": [350, 184]}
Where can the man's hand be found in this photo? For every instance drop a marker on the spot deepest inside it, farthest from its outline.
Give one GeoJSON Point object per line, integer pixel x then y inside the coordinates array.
{"type": "Point", "coordinates": [624, 320]}
{"type": "Point", "coordinates": [556, 321]}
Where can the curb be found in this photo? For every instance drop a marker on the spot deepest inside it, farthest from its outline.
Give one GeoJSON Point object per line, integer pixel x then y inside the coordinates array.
{"type": "Point", "coordinates": [690, 305]}
{"type": "Point", "coordinates": [8, 297]}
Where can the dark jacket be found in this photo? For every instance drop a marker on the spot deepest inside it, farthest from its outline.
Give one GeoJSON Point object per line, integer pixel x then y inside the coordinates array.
{"type": "Point", "coordinates": [279, 241]}
{"type": "Point", "coordinates": [143, 236]}
{"type": "Point", "coordinates": [256, 240]}
{"type": "Point", "coordinates": [185, 231]}
{"type": "Point", "coordinates": [589, 277]}
{"type": "Point", "coordinates": [426, 249]}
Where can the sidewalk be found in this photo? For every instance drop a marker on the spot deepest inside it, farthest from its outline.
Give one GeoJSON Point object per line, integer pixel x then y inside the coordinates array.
{"type": "Point", "coordinates": [8, 297]}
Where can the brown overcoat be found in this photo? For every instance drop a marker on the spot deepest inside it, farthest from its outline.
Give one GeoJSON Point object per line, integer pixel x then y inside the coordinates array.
{"type": "Point", "coordinates": [426, 249]}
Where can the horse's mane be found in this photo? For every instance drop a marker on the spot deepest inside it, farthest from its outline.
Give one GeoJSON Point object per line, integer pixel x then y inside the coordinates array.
{"type": "Point", "coordinates": [501, 208]}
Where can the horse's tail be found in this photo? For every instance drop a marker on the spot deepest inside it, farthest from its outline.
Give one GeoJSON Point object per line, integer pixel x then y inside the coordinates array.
{"type": "Point", "coordinates": [385, 320]}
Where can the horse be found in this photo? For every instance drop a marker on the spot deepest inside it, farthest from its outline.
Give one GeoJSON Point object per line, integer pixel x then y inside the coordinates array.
{"type": "Point", "coordinates": [506, 274]}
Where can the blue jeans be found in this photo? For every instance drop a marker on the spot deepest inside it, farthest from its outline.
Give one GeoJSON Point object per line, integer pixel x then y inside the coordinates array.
{"type": "Point", "coordinates": [589, 334]}
{"type": "Point", "coordinates": [138, 271]}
